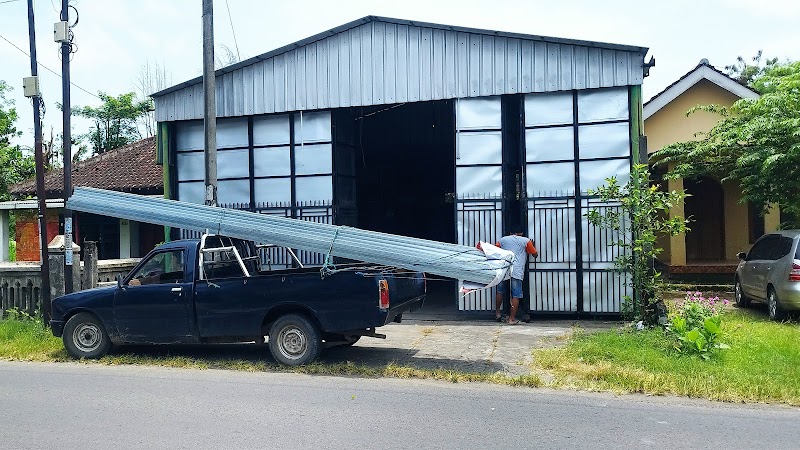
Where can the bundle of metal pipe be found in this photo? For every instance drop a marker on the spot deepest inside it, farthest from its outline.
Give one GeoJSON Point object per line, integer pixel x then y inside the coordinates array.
{"type": "Point", "coordinates": [437, 258]}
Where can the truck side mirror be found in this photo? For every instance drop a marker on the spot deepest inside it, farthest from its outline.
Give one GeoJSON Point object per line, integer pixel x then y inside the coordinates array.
{"type": "Point", "coordinates": [119, 281]}
{"type": "Point", "coordinates": [742, 255]}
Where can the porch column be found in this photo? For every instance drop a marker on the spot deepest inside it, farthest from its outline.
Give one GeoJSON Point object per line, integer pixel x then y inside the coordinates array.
{"type": "Point", "coordinates": [5, 223]}
{"type": "Point", "coordinates": [772, 219]}
{"type": "Point", "coordinates": [677, 243]}
{"type": "Point", "coordinates": [124, 238]}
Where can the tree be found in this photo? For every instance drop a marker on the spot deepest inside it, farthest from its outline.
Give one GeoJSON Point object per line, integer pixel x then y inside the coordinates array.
{"type": "Point", "coordinates": [151, 79]}
{"type": "Point", "coordinates": [756, 143]}
{"type": "Point", "coordinates": [15, 164]}
{"type": "Point", "coordinates": [224, 57]}
{"type": "Point", "coordinates": [53, 147]}
{"type": "Point", "coordinates": [746, 73]}
{"type": "Point", "coordinates": [115, 121]}
{"type": "Point", "coordinates": [638, 222]}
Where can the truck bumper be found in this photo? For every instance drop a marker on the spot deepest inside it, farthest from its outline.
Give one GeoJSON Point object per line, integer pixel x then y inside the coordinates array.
{"type": "Point", "coordinates": [57, 326]}
{"type": "Point", "coordinates": [395, 315]}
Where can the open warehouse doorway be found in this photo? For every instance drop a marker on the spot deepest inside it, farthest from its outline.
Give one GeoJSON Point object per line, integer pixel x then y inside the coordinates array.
{"type": "Point", "coordinates": [405, 177]}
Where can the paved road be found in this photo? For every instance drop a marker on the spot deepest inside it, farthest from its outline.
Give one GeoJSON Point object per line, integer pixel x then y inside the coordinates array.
{"type": "Point", "coordinates": [91, 406]}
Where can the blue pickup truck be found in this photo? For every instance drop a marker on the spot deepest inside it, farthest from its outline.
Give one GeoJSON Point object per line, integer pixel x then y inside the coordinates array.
{"type": "Point", "coordinates": [215, 290]}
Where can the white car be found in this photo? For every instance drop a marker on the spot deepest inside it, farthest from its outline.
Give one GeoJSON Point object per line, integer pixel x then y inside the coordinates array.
{"type": "Point", "coordinates": [770, 272]}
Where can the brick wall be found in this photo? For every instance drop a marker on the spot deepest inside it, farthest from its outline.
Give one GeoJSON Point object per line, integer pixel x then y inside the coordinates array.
{"type": "Point", "coordinates": [27, 235]}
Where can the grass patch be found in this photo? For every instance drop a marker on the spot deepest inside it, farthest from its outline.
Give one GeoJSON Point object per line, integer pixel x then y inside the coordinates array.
{"type": "Point", "coordinates": [28, 340]}
{"type": "Point", "coordinates": [761, 365]}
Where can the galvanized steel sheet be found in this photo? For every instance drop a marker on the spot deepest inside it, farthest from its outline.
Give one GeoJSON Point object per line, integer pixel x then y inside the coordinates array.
{"type": "Point", "coordinates": [438, 258]}
{"type": "Point", "coordinates": [377, 61]}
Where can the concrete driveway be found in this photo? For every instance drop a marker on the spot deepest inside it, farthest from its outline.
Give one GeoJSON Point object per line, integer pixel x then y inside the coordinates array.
{"type": "Point", "coordinates": [470, 346]}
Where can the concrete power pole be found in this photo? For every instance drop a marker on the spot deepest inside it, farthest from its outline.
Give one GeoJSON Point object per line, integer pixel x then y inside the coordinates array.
{"type": "Point", "coordinates": [36, 96]}
{"type": "Point", "coordinates": [66, 49]}
{"type": "Point", "coordinates": [210, 106]}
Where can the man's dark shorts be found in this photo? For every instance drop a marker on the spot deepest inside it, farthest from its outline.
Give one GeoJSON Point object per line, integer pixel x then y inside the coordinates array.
{"type": "Point", "coordinates": [516, 288]}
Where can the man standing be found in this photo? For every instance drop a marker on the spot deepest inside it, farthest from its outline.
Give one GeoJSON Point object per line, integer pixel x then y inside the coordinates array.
{"type": "Point", "coordinates": [521, 246]}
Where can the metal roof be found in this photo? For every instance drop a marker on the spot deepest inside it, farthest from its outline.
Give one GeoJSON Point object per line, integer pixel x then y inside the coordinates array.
{"type": "Point", "coordinates": [379, 60]}
{"type": "Point", "coordinates": [438, 258]}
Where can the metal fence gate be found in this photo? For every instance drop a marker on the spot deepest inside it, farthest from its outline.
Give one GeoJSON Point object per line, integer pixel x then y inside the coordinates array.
{"type": "Point", "coordinates": [479, 183]}
{"type": "Point", "coordinates": [574, 140]}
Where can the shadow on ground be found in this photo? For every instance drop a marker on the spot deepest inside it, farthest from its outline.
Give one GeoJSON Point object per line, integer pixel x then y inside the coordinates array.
{"type": "Point", "coordinates": [372, 357]}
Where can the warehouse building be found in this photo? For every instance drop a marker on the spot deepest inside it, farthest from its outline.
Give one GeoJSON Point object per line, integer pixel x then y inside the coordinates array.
{"type": "Point", "coordinates": [439, 132]}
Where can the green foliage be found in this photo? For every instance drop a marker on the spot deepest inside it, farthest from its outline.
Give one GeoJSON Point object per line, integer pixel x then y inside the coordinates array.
{"type": "Point", "coordinates": [8, 115]}
{"type": "Point", "coordinates": [746, 73]}
{"type": "Point", "coordinates": [114, 121]}
{"type": "Point", "coordinates": [25, 337]}
{"type": "Point", "coordinates": [15, 165]}
{"type": "Point", "coordinates": [695, 324]}
{"type": "Point", "coordinates": [760, 366]}
{"type": "Point", "coordinates": [12, 250]}
{"type": "Point", "coordinates": [642, 218]}
{"type": "Point", "coordinates": [756, 143]}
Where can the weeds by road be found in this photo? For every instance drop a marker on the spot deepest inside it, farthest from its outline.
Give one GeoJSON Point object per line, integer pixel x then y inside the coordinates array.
{"type": "Point", "coordinates": [29, 340]}
{"type": "Point", "coordinates": [761, 365]}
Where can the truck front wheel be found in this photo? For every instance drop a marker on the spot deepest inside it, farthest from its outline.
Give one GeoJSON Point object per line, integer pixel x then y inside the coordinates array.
{"type": "Point", "coordinates": [294, 340]}
{"type": "Point", "coordinates": [85, 337]}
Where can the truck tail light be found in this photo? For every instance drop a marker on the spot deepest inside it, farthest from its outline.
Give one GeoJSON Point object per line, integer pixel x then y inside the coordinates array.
{"type": "Point", "coordinates": [383, 287]}
{"type": "Point", "coordinates": [794, 274]}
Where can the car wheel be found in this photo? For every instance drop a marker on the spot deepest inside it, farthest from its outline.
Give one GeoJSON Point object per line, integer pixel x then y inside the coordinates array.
{"type": "Point", "coordinates": [741, 300]}
{"type": "Point", "coordinates": [774, 307]}
{"type": "Point", "coordinates": [294, 340]}
{"type": "Point", "coordinates": [85, 337]}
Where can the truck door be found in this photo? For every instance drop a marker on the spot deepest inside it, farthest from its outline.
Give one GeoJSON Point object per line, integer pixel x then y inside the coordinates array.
{"type": "Point", "coordinates": [153, 304]}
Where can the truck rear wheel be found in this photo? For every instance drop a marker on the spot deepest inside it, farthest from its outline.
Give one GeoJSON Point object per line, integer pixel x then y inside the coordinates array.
{"type": "Point", "coordinates": [294, 340]}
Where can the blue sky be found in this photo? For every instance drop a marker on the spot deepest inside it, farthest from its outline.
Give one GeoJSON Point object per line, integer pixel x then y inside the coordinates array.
{"type": "Point", "coordinates": [116, 37]}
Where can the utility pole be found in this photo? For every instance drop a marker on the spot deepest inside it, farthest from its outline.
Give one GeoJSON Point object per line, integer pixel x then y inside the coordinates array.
{"type": "Point", "coordinates": [210, 104]}
{"type": "Point", "coordinates": [66, 50]}
{"type": "Point", "coordinates": [36, 97]}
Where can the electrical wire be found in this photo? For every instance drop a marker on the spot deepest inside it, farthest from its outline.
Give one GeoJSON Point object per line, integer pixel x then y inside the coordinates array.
{"type": "Point", "coordinates": [47, 68]}
{"type": "Point", "coordinates": [233, 31]}
{"type": "Point", "coordinates": [8, 1]}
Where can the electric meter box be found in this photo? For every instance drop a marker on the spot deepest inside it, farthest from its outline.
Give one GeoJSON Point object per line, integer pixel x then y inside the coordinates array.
{"type": "Point", "coordinates": [61, 32]}
{"type": "Point", "coordinates": [30, 86]}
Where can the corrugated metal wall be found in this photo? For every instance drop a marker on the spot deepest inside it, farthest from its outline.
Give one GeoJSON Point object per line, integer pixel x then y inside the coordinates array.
{"type": "Point", "coordinates": [384, 63]}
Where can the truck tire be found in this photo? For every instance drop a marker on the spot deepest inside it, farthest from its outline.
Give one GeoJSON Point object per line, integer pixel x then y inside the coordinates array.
{"type": "Point", "coordinates": [85, 337]}
{"type": "Point", "coordinates": [294, 340]}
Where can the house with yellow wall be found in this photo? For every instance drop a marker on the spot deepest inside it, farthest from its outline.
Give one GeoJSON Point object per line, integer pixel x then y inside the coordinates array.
{"type": "Point", "coordinates": [721, 224]}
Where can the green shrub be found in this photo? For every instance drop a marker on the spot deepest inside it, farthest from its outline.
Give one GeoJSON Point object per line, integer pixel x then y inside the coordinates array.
{"type": "Point", "coordinates": [695, 324]}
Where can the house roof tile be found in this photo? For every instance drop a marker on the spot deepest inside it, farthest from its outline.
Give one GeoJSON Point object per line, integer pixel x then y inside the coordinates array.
{"type": "Point", "coordinates": [131, 168]}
